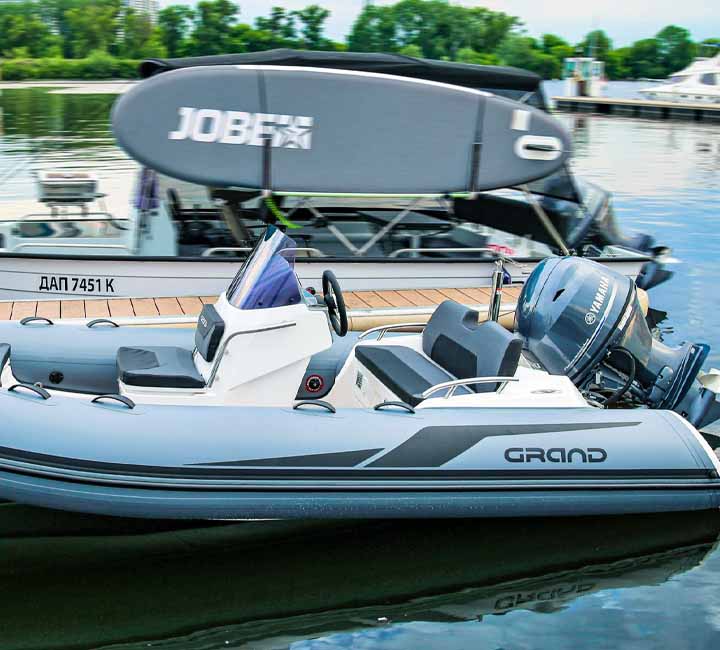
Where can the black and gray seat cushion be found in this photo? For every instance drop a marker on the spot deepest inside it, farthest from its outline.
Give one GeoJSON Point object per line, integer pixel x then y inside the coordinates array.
{"type": "Point", "coordinates": [455, 340]}
{"type": "Point", "coordinates": [404, 371]}
{"type": "Point", "coordinates": [164, 367]}
{"type": "Point", "coordinates": [172, 367]}
{"type": "Point", "coordinates": [455, 347]}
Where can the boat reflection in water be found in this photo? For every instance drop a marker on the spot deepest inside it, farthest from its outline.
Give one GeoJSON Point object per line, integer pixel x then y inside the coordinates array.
{"type": "Point", "coordinates": [94, 581]}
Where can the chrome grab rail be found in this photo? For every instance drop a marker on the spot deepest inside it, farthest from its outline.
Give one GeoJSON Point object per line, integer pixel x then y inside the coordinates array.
{"type": "Point", "coordinates": [456, 383]}
{"type": "Point", "coordinates": [210, 252]}
{"type": "Point", "coordinates": [303, 249]}
{"type": "Point", "coordinates": [386, 328]}
{"type": "Point", "coordinates": [498, 255]}
{"type": "Point", "coordinates": [67, 216]}
{"type": "Point", "coordinates": [73, 246]}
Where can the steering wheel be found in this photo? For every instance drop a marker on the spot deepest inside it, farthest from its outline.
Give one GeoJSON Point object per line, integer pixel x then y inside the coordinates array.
{"type": "Point", "coordinates": [335, 303]}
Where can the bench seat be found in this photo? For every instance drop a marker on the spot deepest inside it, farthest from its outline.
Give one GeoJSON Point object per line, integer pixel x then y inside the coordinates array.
{"type": "Point", "coordinates": [404, 371]}
{"type": "Point", "coordinates": [162, 366]}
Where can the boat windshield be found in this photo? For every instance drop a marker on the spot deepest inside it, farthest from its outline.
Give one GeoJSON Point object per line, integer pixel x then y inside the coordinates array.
{"type": "Point", "coordinates": [267, 279]}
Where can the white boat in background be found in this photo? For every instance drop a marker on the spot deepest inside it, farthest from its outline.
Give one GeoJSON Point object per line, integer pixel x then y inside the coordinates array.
{"type": "Point", "coordinates": [176, 240]}
{"type": "Point", "coordinates": [181, 238]}
{"type": "Point", "coordinates": [698, 83]}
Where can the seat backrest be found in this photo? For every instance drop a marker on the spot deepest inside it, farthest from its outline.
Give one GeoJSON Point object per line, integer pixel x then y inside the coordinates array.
{"type": "Point", "coordinates": [209, 332]}
{"type": "Point", "coordinates": [455, 340]}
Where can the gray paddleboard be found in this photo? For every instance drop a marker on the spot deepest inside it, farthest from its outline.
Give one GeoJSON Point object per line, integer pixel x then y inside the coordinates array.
{"type": "Point", "coordinates": [333, 131]}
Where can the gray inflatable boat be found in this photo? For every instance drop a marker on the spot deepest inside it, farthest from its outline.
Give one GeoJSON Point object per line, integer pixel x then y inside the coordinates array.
{"type": "Point", "coordinates": [266, 411]}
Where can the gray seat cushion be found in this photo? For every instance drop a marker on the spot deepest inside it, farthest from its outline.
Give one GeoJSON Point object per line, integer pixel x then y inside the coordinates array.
{"type": "Point", "coordinates": [458, 348]}
{"type": "Point", "coordinates": [465, 348]}
{"type": "Point", "coordinates": [164, 367]}
{"type": "Point", "coordinates": [404, 371]}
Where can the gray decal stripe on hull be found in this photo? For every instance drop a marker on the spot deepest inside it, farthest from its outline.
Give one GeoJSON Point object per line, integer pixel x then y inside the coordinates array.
{"type": "Point", "coordinates": [47, 464]}
{"type": "Point", "coordinates": [435, 446]}
{"type": "Point", "coordinates": [333, 459]}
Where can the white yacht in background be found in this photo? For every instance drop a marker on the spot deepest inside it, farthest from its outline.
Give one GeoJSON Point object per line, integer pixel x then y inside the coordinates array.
{"type": "Point", "coordinates": [699, 82]}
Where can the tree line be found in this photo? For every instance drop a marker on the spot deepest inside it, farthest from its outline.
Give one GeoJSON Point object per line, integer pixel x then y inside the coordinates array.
{"type": "Point", "coordinates": [104, 33]}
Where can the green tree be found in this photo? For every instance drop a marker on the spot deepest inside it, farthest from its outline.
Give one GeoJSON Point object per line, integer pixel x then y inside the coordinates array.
{"type": "Point", "coordinates": [644, 59]}
{"type": "Point", "coordinates": [468, 55]}
{"type": "Point", "coordinates": [596, 44]}
{"type": "Point", "coordinates": [411, 50]}
{"type": "Point", "coordinates": [312, 20]}
{"type": "Point", "coordinates": [617, 63]}
{"type": "Point", "coordinates": [174, 22]}
{"type": "Point", "coordinates": [140, 38]}
{"type": "Point", "coordinates": [524, 52]}
{"type": "Point", "coordinates": [93, 27]}
{"type": "Point", "coordinates": [23, 32]}
{"type": "Point", "coordinates": [440, 30]}
{"type": "Point", "coordinates": [675, 48]}
{"type": "Point", "coordinates": [214, 28]}
{"type": "Point", "coordinates": [374, 30]}
{"type": "Point", "coordinates": [280, 24]}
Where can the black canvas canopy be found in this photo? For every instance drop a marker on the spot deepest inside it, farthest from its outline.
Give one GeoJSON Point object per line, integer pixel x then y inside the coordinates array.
{"type": "Point", "coordinates": [502, 80]}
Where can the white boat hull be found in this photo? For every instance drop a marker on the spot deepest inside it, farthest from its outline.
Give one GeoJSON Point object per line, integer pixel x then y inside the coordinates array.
{"type": "Point", "coordinates": [58, 278]}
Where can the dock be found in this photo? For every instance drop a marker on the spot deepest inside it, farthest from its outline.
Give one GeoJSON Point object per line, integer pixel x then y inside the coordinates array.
{"type": "Point", "coordinates": [640, 108]}
{"type": "Point", "coordinates": [366, 309]}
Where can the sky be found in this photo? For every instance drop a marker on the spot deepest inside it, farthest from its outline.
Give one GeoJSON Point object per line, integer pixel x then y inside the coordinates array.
{"type": "Point", "coordinates": [624, 20]}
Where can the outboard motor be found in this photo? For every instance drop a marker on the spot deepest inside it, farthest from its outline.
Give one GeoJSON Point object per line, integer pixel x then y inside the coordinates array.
{"type": "Point", "coordinates": [581, 319]}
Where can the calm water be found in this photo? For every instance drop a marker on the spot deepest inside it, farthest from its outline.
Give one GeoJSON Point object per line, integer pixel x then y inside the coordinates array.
{"type": "Point", "coordinates": [648, 582]}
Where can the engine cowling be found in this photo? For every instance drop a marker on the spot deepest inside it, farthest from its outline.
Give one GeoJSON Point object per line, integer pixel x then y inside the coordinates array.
{"type": "Point", "coordinates": [583, 320]}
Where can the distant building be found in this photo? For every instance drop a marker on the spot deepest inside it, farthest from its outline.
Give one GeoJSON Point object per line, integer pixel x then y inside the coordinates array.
{"type": "Point", "coordinates": [149, 7]}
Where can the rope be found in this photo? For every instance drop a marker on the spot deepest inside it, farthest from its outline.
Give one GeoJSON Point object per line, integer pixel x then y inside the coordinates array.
{"type": "Point", "coordinates": [279, 214]}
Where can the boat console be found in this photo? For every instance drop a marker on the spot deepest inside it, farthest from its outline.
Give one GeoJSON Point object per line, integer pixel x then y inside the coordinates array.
{"type": "Point", "coordinates": [252, 347]}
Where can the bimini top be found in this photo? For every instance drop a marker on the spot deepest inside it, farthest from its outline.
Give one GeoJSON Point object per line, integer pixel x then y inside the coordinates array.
{"type": "Point", "coordinates": [480, 77]}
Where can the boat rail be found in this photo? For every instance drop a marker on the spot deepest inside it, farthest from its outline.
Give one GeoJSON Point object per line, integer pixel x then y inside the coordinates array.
{"type": "Point", "coordinates": [71, 246]}
{"type": "Point", "coordinates": [383, 329]}
{"type": "Point", "coordinates": [211, 252]}
{"type": "Point", "coordinates": [497, 254]}
{"type": "Point", "coordinates": [69, 216]}
{"type": "Point", "coordinates": [457, 383]}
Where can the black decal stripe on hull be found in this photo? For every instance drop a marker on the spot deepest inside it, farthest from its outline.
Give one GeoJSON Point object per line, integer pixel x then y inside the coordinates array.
{"type": "Point", "coordinates": [334, 459]}
{"type": "Point", "coordinates": [45, 462]}
{"type": "Point", "coordinates": [435, 446]}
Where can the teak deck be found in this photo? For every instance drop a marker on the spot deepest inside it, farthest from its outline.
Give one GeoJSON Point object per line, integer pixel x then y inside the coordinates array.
{"type": "Point", "coordinates": [191, 306]}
